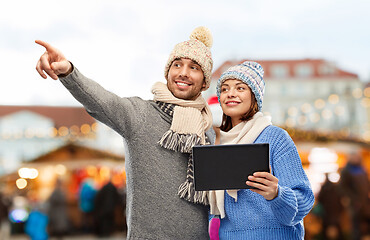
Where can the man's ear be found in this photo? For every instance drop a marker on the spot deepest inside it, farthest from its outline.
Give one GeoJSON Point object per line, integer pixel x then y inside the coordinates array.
{"type": "Point", "coordinates": [204, 84]}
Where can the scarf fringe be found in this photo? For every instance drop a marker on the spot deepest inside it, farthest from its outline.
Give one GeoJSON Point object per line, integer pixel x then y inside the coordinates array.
{"type": "Point", "coordinates": [187, 192]}
{"type": "Point", "coordinates": [179, 142]}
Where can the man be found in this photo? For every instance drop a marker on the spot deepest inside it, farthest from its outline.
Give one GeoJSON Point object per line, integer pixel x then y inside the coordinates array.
{"type": "Point", "coordinates": [355, 186]}
{"type": "Point", "coordinates": [57, 212]}
{"type": "Point", "coordinates": [106, 201]}
{"type": "Point", "coordinates": [158, 137]}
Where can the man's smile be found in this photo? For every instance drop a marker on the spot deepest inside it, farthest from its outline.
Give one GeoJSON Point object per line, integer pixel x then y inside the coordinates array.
{"type": "Point", "coordinates": [183, 84]}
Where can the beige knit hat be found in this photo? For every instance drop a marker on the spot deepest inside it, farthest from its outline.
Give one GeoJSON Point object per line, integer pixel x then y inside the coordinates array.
{"type": "Point", "coordinates": [198, 49]}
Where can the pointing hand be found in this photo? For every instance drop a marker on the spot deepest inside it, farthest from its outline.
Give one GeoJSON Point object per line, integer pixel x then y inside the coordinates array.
{"type": "Point", "coordinates": [52, 62]}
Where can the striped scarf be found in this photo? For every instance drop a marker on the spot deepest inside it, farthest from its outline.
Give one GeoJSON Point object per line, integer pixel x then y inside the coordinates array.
{"type": "Point", "coordinates": [190, 121]}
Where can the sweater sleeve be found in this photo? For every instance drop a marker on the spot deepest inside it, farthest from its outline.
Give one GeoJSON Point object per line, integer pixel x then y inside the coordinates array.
{"type": "Point", "coordinates": [116, 112]}
{"type": "Point", "coordinates": [295, 197]}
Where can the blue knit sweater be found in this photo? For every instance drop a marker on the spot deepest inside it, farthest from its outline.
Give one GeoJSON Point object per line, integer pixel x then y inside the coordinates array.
{"type": "Point", "coordinates": [254, 217]}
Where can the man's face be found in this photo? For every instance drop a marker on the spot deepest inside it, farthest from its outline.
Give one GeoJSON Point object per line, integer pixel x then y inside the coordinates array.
{"type": "Point", "coordinates": [185, 79]}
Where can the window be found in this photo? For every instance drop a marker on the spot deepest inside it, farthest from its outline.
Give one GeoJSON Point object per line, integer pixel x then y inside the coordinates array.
{"type": "Point", "coordinates": [326, 69]}
{"type": "Point", "coordinates": [303, 70]}
{"type": "Point", "coordinates": [279, 70]}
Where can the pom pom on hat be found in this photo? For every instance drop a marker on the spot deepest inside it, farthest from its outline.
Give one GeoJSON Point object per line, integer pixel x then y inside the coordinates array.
{"type": "Point", "coordinates": [204, 35]}
{"type": "Point", "coordinates": [196, 49]}
{"type": "Point", "coordinates": [251, 73]}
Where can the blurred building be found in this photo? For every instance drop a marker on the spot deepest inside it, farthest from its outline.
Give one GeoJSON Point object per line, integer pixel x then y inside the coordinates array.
{"type": "Point", "coordinates": [311, 94]}
{"type": "Point", "coordinates": [366, 103]}
{"type": "Point", "coordinates": [27, 132]}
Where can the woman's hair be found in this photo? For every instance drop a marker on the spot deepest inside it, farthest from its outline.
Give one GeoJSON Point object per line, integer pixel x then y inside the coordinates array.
{"type": "Point", "coordinates": [226, 124]}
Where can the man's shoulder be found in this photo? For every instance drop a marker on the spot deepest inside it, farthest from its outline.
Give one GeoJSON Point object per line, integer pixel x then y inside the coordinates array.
{"type": "Point", "coordinates": [138, 99]}
{"type": "Point", "coordinates": [139, 102]}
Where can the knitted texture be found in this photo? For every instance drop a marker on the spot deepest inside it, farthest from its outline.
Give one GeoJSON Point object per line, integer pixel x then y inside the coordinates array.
{"type": "Point", "coordinates": [190, 121]}
{"type": "Point", "coordinates": [153, 209]}
{"type": "Point", "coordinates": [253, 217]}
{"type": "Point", "coordinates": [198, 49]}
{"type": "Point", "coordinates": [186, 189]}
{"type": "Point", "coordinates": [251, 73]}
{"type": "Point", "coordinates": [191, 117]}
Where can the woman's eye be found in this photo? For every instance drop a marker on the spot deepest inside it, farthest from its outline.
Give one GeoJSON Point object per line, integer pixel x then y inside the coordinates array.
{"type": "Point", "coordinates": [223, 89]}
{"type": "Point", "coordinates": [241, 88]}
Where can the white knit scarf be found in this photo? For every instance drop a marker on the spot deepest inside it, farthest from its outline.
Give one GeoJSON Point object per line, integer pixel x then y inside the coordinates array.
{"type": "Point", "coordinates": [243, 133]}
{"type": "Point", "coordinates": [191, 117]}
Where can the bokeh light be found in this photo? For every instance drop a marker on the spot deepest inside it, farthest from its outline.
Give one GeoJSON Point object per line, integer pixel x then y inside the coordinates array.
{"type": "Point", "coordinates": [21, 183]}
{"type": "Point", "coordinates": [60, 169]}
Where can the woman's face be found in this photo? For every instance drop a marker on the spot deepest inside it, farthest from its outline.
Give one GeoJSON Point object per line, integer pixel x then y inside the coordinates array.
{"type": "Point", "coordinates": [235, 99]}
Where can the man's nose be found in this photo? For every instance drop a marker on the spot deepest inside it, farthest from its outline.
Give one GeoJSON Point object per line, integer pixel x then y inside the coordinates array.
{"type": "Point", "coordinates": [184, 71]}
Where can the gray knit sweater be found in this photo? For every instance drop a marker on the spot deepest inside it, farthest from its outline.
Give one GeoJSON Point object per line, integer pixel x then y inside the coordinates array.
{"type": "Point", "coordinates": [154, 210]}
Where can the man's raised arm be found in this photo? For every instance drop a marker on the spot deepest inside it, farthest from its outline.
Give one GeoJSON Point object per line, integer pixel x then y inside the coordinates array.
{"type": "Point", "coordinates": [105, 106]}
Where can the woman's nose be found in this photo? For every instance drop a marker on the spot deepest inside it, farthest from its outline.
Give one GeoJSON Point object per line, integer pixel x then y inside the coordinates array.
{"type": "Point", "coordinates": [231, 92]}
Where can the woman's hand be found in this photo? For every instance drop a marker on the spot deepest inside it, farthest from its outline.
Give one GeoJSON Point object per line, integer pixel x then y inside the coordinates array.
{"type": "Point", "coordinates": [265, 184]}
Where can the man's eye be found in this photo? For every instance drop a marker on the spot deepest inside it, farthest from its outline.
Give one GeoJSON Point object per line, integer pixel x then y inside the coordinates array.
{"type": "Point", "coordinates": [223, 89]}
{"type": "Point", "coordinates": [241, 88]}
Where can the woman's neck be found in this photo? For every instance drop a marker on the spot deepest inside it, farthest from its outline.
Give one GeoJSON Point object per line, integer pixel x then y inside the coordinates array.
{"type": "Point", "coordinates": [235, 121]}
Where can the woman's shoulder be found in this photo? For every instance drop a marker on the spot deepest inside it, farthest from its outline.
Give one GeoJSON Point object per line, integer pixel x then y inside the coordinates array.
{"type": "Point", "coordinates": [278, 138]}
{"type": "Point", "coordinates": [275, 131]}
{"type": "Point", "coordinates": [274, 135]}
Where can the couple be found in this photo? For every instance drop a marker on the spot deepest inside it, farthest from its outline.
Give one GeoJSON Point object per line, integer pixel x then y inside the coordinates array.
{"type": "Point", "coordinates": [159, 135]}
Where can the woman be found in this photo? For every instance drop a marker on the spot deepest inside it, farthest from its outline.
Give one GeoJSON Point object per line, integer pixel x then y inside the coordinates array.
{"type": "Point", "coordinates": [275, 208]}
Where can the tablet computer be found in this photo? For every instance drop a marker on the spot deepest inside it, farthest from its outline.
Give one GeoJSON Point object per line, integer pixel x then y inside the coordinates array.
{"type": "Point", "coordinates": [222, 167]}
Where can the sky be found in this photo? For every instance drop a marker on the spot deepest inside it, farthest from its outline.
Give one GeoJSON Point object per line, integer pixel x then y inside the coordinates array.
{"type": "Point", "coordinates": [124, 45]}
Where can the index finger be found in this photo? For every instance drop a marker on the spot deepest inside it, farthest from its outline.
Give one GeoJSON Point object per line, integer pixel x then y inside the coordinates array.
{"type": "Point", "coordinates": [264, 175]}
{"type": "Point", "coordinates": [44, 44]}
